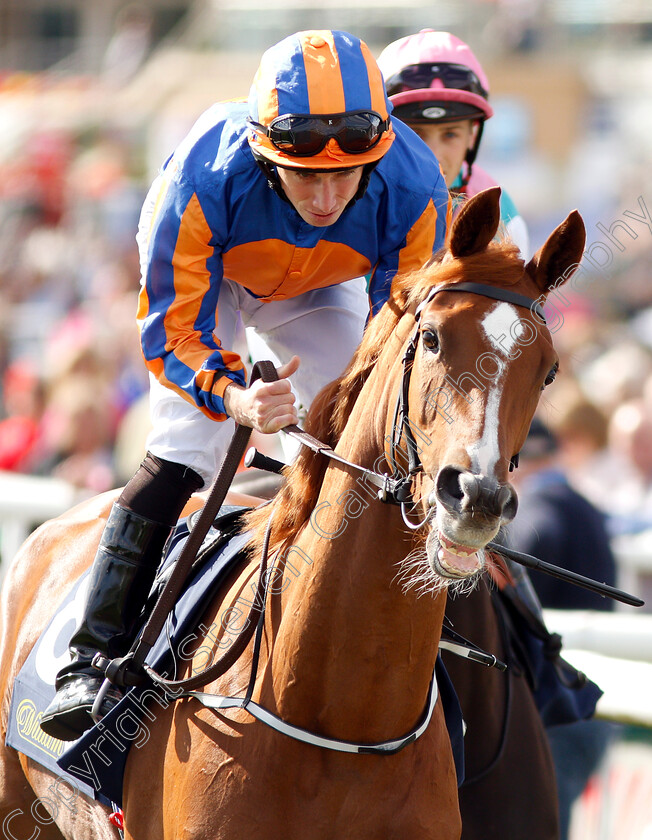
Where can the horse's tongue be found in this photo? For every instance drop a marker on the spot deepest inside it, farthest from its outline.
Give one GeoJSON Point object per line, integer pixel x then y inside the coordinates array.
{"type": "Point", "coordinates": [456, 557]}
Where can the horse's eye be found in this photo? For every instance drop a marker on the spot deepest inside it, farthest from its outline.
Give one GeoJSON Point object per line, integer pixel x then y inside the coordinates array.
{"type": "Point", "coordinates": [550, 378]}
{"type": "Point", "coordinates": [430, 340]}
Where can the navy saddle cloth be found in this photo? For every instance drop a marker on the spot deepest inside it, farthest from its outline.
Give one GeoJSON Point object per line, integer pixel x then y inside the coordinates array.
{"type": "Point", "coordinates": [95, 763]}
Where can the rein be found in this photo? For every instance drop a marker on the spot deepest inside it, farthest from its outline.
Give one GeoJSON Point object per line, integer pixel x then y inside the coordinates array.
{"type": "Point", "coordinates": [128, 670]}
{"type": "Point", "coordinates": [391, 490]}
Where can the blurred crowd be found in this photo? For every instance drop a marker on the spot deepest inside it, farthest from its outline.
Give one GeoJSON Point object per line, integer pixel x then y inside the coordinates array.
{"type": "Point", "coordinates": [600, 405]}
{"type": "Point", "coordinates": [71, 377]}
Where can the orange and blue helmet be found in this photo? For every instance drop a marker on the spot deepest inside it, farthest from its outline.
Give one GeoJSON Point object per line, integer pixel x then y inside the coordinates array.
{"type": "Point", "coordinates": [318, 102]}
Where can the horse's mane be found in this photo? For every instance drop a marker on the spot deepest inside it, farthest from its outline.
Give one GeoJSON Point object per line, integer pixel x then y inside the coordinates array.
{"type": "Point", "coordinates": [500, 265]}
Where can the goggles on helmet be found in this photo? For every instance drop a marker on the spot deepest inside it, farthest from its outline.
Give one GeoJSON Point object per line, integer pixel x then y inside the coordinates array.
{"type": "Point", "coordinates": [421, 77]}
{"type": "Point", "coordinates": [305, 135]}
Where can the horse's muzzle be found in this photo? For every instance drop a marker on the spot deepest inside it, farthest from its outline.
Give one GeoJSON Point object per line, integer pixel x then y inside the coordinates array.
{"type": "Point", "coordinates": [462, 492]}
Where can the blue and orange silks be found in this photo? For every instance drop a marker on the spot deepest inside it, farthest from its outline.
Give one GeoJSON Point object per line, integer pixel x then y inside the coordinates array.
{"type": "Point", "coordinates": [212, 215]}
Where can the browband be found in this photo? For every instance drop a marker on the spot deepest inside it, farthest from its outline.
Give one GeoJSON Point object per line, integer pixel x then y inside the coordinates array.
{"type": "Point", "coordinates": [488, 291]}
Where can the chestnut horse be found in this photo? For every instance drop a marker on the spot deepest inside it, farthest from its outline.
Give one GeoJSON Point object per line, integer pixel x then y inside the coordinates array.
{"type": "Point", "coordinates": [351, 629]}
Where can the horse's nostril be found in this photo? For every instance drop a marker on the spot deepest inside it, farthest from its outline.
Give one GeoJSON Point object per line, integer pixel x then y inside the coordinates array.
{"type": "Point", "coordinates": [448, 483]}
{"type": "Point", "coordinates": [448, 489]}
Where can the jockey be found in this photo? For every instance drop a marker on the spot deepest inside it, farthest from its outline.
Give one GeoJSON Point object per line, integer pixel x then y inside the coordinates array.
{"type": "Point", "coordinates": [352, 193]}
{"type": "Point", "coordinates": [439, 89]}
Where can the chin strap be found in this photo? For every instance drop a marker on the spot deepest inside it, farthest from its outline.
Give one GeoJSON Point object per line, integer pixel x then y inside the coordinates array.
{"type": "Point", "coordinates": [269, 172]}
{"type": "Point", "coordinates": [364, 182]}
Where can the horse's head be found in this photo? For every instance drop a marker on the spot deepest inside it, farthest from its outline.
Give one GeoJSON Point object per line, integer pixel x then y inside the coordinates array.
{"type": "Point", "coordinates": [482, 355]}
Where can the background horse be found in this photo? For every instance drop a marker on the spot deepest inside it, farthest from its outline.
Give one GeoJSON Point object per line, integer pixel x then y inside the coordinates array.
{"type": "Point", "coordinates": [347, 652]}
{"type": "Point", "coordinates": [509, 788]}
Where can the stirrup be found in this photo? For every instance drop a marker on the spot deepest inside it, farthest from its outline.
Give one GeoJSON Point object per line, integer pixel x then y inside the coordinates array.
{"type": "Point", "coordinates": [120, 671]}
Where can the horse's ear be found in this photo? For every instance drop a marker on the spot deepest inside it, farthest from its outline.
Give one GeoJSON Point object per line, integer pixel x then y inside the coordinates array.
{"type": "Point", "coordinates": [558, 258]}
{"type": "Point", "coordinates": [476, 224]}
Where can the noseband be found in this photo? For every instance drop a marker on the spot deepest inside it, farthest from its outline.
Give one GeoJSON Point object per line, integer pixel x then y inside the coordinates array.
{"type": "Point", "coordinates": [401, 425]}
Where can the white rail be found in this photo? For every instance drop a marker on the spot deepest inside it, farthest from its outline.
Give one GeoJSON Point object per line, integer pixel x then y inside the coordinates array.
{"type": "Point", "coordinates": [27, 501]}
{"type": "Point", "coordinates": [615, 651]}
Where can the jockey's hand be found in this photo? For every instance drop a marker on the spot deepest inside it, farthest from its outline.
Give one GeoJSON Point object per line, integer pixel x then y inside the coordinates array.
{"type": "Point", "coordinates": [265, 406]}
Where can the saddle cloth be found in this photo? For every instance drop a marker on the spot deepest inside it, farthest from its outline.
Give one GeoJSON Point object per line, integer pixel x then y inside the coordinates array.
{"type": "Point", "coordinates": [95, 763]}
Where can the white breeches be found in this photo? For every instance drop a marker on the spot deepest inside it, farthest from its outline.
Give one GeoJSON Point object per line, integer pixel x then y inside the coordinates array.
{"type": "Point", "coordinates": [322, 327]}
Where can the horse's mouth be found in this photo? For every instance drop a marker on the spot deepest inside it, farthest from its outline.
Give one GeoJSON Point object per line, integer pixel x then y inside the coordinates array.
{"type": "Point", "coordinates": [453, 560]}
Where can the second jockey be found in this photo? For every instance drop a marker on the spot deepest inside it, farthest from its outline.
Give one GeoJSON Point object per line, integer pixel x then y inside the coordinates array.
{"type": "Point", "coordinates": [437, 86]}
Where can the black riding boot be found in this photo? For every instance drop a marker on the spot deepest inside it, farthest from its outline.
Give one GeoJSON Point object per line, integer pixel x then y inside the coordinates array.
{"type": "Point", "coordinates": [120, 580]}
{"type": "Point", "coordinates": [121, 577]}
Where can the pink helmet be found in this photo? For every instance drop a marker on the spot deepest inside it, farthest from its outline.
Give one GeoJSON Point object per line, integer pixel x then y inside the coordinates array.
{"type": "Point", "coordinates": [433, 76]}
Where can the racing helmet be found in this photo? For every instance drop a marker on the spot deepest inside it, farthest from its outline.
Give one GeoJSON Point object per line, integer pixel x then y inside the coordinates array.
{"type": "Point", "coordinates": [318, 102]}
{"type": "Point", "coordinates": [435, 77]}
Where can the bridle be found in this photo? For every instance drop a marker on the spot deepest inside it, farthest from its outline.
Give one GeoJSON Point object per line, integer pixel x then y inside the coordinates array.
{"type": "Point", "coordinates": [402, 426]}
{"type": "Point", "coordinates": [397, 488]}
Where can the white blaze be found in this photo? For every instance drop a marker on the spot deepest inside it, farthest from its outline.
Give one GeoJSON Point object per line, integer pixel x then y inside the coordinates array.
{"type": "Point", "coordinates": [502, 327]}
{"type": "Point", "coordinates": [484, 454]}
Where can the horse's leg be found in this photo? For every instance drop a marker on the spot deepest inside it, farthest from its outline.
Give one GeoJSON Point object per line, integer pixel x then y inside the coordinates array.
{"type": "Point", "coordinates": [35, 804]}
{"type": "Point", "coordinates": [59, 810]}
{"type": "Point", "coordinates": [518, 797]}
{"type": "Point", "coordinates": [27, 808]}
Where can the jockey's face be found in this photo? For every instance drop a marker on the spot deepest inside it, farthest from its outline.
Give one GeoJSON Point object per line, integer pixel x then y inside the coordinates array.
{"type": "Point", "coordinates": [450, 143]}
{"type": "Point", "coordinates": [320, 197]}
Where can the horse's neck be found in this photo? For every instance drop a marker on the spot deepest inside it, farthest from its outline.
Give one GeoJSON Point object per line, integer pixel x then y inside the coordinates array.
{"type": "Point", "coordinates": [347, 630]}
